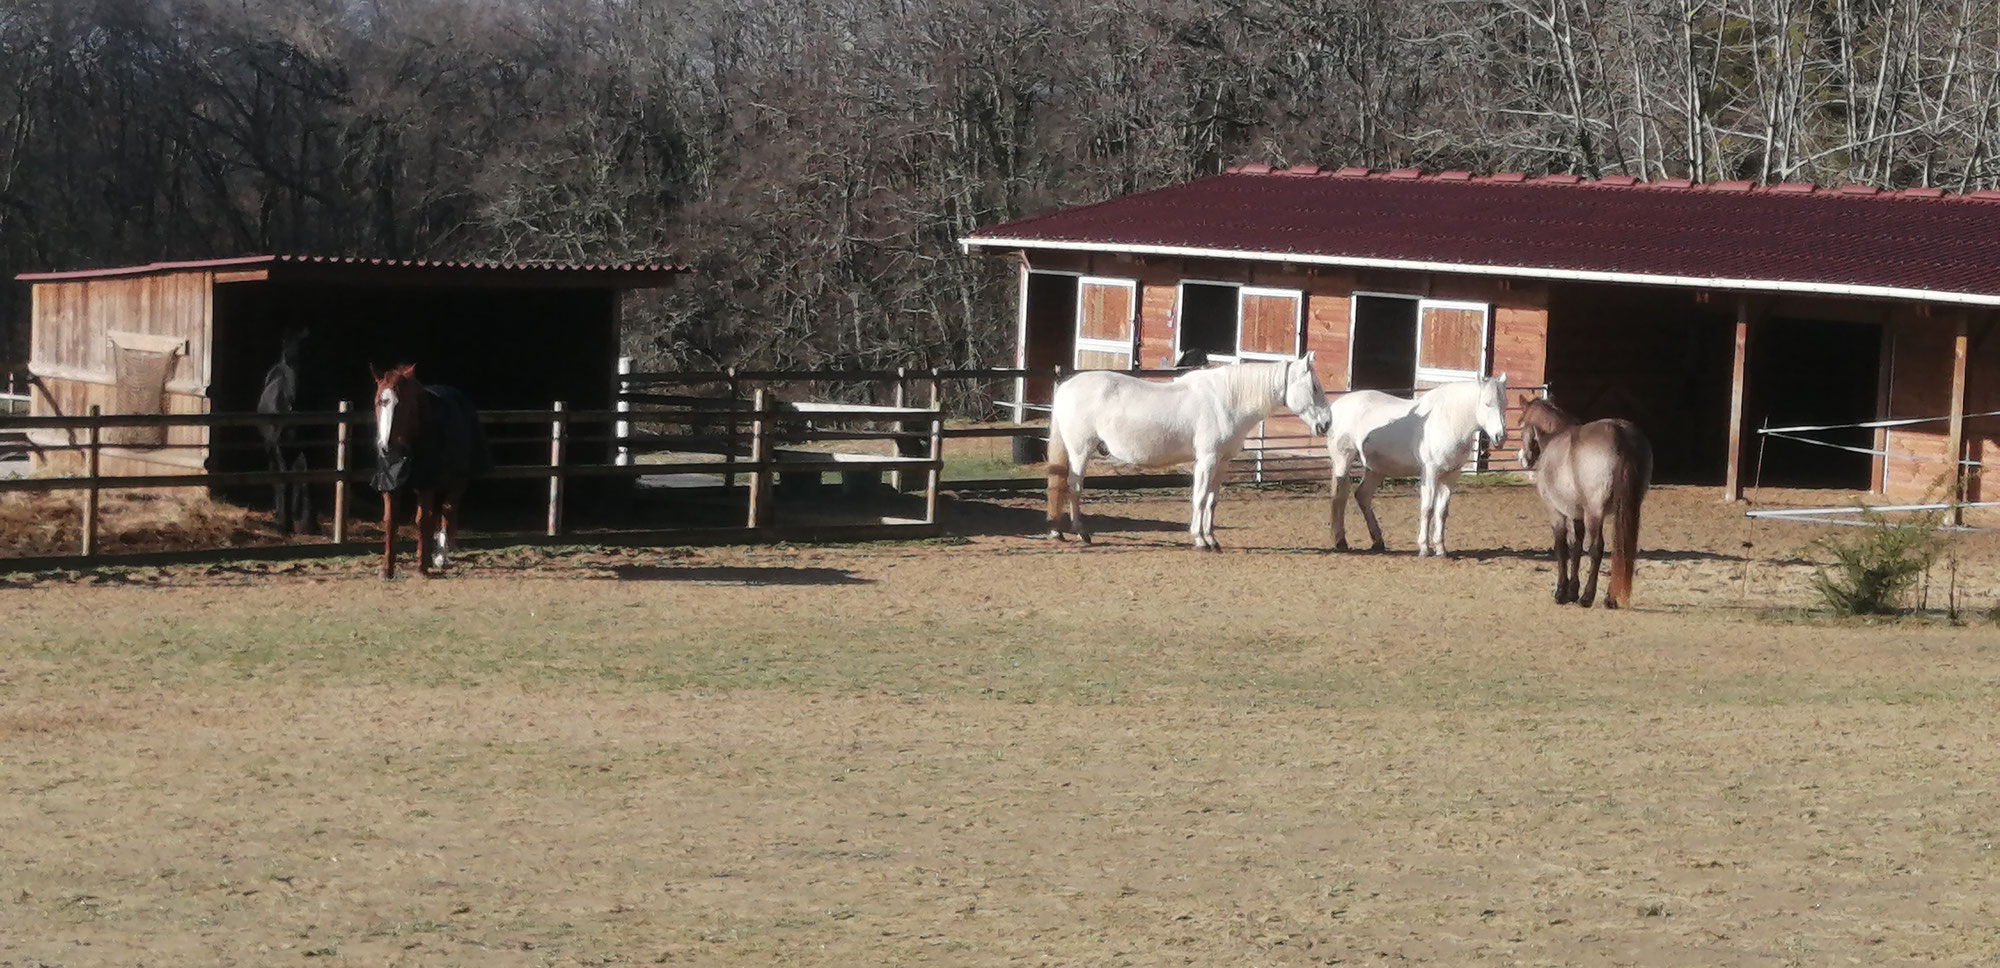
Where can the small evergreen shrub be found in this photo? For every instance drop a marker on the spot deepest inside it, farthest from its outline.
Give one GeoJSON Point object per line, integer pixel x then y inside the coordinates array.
{"type": "Point", "coordinates": [1875, 566]}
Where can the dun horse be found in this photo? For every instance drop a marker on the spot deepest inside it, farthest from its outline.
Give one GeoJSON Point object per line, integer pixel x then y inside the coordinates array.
{"type": "Point", "coordinates": [284, 444]}
{"type": "Point", "coordinates": [1429, 438]}
{"type": "Point", "coordinates": [428, 442]}
{"type": "Point", "coordinates": [1201, 416]}
{"type": "Point", "coordinates": [1583, 473]}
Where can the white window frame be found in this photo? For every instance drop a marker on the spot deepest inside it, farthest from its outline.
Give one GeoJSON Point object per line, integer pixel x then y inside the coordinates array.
{"type": "Point", "coordinates": [1438, 375]}
{"type": "Point", "coordinates": [1298, 298]}
{"type": "Point", "coordinates": [1180, 317]}
{"type": "Point", "coordinates": [1129, 348]}
{"type": "Point", "coordinates": [1354, 324]}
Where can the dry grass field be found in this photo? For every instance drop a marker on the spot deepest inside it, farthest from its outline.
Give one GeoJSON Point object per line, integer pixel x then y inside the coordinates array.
{"type": "Point", "coordinates": [1000, 750]}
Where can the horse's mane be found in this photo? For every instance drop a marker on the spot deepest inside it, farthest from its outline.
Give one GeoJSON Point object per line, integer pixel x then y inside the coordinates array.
{"type": "Point", "coordinates": [1546, 417]}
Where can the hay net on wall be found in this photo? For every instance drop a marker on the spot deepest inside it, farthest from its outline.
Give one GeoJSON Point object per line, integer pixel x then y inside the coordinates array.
{"type": "Point", "coordinates": [140, 370]}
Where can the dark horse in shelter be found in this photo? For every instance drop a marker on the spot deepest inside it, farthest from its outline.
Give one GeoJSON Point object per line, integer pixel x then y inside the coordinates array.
{"type": "Point", "coordinates": [428, 442]}
{"type": "Point", "coordinates": [1584, 473]}
{"type": "Point", "coordinates": [285, 445]}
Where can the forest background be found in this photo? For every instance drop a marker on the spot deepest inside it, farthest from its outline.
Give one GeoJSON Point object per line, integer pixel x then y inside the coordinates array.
{"type": "Point", "coordinates": [818, 159]}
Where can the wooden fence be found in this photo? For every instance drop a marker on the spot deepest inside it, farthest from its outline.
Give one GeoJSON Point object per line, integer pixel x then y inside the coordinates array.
{"type": "Point", "coordinates": [767, 428]}
{"type": "Point", "coordinates": [729, 429]}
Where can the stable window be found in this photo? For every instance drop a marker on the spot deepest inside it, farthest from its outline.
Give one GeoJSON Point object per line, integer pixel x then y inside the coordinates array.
{"type": "Point", "coordinates": [1451, 340]}
{"type": "Point", "coordinates": [1401, 343]}
{"type": "Point", "coordinates": [1268, 327]}
{"type": "Point", "coordinates": [1106, 317]}
{"type": "Point", "coordinates": [1228, 322]}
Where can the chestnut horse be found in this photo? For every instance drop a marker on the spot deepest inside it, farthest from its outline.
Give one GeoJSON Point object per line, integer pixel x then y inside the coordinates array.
{"type": "Point", "coordinates": [428, 442]}
{"type": "Point", "coordinates": [1583, 472]}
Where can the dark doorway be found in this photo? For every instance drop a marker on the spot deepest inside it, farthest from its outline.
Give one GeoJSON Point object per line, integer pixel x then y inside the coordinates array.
{"type": "Point", "coordinates": [1811, 372]}
{"type": "Point", "coordinates": [1051, 323]}
{"type": "Point", "coordinates": [1384, 352]}
{"type": "Point", "coordinates": [1208, 318]}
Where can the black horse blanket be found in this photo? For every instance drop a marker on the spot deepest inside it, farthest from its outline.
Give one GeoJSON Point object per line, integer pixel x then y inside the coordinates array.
{"type": "Point", "coordinates": [451, 448]}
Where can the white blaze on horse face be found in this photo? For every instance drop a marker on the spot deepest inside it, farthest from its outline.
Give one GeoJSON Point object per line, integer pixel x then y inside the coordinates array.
{"type": "Point", "coordinates": [385, 417]}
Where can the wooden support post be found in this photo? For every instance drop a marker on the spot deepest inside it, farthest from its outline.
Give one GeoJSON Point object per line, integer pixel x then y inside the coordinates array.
{"type": "Point", "coordinates": [556, 435]}
{"type": "Point", "coordinates": [760, 456]}
{"type": "Point", "coordinates": [900, 398]}
{"type": "Point", "coordinates": [90, 465]}
{"type": "Point", "coordinates": [730, 424]}
{"type": "Point", "coordinates": [340, 432]}
{"type": "Point", "coordinates": [1955, 441]}
{"type": "Point", "coordinates": [936, 450]}
{"type": "Point", "coordinates": [623, 428]}
{"type": "Point", "coordinates": [1732, 482]}
{"type": "Point", "coordinates": [1878, 465]}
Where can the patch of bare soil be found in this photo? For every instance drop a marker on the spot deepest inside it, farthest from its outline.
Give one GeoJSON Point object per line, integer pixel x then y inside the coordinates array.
{"type": "Point", "coordinates": [1001, 749]}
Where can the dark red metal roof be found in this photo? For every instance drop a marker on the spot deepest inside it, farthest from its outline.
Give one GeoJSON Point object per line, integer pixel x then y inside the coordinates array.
{"type": "Point", "coordinates": [611, 275]}
{"type": "Point", "coordinates": [1787, 237]}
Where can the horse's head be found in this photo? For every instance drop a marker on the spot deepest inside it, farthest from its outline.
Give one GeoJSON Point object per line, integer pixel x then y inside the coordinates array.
{"type": "Point", "coordinates": [1493, 409]}
{"type": "Point", "coordinates": [1540, 421]}
{"type": "Point", "coordinates": [291, 344]}
{"type": "Point", "coordinates": [1305, 397]}
{"type": "Point", "coordinates": [396, 409]}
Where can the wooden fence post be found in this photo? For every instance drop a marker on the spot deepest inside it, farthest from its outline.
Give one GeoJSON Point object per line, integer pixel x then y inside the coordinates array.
{"type": "Point", "coordinates": [900, 398]}
{"type": "Point", "coordinates": [730, 424]}
{"type": "Point", "coordinates": [556, 470]}
{"type": "Point", "coordinates": [936, 451]}
{"type": "Point", "coordinates": [760, 455]}
{"type": "Point", "coordinates": [623, 428]}
{"type": "Point", "coordinates": [340, 466]}
{"type": "Point", "coordinates": [90, 464]}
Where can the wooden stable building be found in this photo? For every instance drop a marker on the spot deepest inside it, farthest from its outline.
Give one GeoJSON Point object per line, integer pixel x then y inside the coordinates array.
{"type": "Point", "coordinates": [1702, 312]}
{"type": "Point", "coordinates": [197, 337]}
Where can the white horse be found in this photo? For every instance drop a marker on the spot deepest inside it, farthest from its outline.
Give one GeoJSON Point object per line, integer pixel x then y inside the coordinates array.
{"type": "Point", "coordinates": [1430, 437]}
{"type": "Point", "coordinates": [1201, 417]}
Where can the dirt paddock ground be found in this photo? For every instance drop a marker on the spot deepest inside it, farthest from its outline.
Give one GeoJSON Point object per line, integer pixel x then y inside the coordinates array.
{"type": "Point", "coordinates": [997, 750]}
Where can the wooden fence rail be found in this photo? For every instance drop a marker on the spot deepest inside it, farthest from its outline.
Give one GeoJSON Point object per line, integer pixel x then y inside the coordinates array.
{"type": "Point", "coordinates": [776, 423]}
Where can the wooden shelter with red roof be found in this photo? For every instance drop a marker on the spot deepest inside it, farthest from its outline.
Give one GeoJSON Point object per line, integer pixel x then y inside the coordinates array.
{"type": "Point", "coordinates": [1701, 311]}
{"type": "Point", "coordinates": [197, 337]}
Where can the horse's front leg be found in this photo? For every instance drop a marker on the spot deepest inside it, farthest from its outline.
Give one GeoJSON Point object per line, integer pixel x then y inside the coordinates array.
{"type": "Point", "coordinates": [1594, 524]}
{"type": "Point", "coordinates": [281, 509]}
{"type": "Point", "coordinates": [1441, 511]}
{"type": "Point", "coordinates": [388, 535]}
{"type": "Point", "coordinates": [1199, 503]}
{"type": "Point", "coordinates": [1426, 498]}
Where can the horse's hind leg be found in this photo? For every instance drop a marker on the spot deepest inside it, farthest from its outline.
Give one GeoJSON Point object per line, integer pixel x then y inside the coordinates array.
{"type": "Point", "coordinates": [1565, 588]}
{"type": "Point", "coordinates": [281, 506]}
{"type": "Point", "coordinates": [1078, 462]}
{"type": "Point", "coordinates": [1341, 488]}
{"type": "Point", "coordinates": [426, 514]}
{"type": "Point", "coordinates": [1594, 524]}
{"type": "Point", "coordinates": [1364, 498]}
{"type": "Point", "coordinates": [303, 517]}
{"type": "Point", "coordinates": [1573, 566]}
{"type": "Point", "coordinates": [447, 529]}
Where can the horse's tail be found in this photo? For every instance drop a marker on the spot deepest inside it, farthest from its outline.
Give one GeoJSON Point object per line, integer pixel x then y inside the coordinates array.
{"type": "Point", "coordinates": [1631, 475]}
{"type": "Point", "coordinates": [1058, 465]}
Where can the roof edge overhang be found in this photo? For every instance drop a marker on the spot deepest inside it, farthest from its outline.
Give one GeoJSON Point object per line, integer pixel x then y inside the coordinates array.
{"type": "Point", "coordinates": [610, 276]}
{"type": "Point", "coordinates": [1516, 272]}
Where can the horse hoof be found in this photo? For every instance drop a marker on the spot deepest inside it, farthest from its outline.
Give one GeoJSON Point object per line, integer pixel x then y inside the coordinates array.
{"type": "Point", "coordinates": [1057, 536]}
{"type": "Point", "coordinates": [1611, 603]}
{"type": "Point", "coordinates": [1378, 547]}
{"type": "Point", "coordinates": [1084, 538]}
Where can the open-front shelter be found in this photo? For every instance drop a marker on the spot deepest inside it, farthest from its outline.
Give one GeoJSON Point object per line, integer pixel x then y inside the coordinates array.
{"type": "Point", "coordinates": [197, 337]}
{"type": "Point", "coordinates": [1701, 311]}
